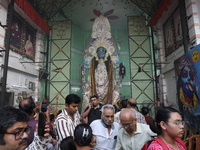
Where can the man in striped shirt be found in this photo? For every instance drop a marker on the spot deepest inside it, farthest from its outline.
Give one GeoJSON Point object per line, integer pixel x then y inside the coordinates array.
{"type": "Point", "coordinates": [68, 119]}
{"type": "Point", "coordinates": [132, 103]}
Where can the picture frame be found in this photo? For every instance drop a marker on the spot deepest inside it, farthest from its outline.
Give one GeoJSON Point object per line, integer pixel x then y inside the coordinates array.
{"type": "Point", "coordinates": [169, 42]}
{"type": "Point", "coordinates": [16, 33]}
{"type": "Point", "coordinates": [33, 87]}
{"type": "Point", "coordinates": [30, 85]}
{"type": "Point", "coordinates": [23, 37]}
{"type": "Point", "coordinates": [177, 28]}
{"type": "Point", "coordinates": [30, 38]}
{"type": "Point", "coordinates": [24, 94]}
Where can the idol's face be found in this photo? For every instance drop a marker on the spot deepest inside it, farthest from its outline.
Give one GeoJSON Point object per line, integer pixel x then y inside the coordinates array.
{"type": "Point", "coordinates": [101, 52]}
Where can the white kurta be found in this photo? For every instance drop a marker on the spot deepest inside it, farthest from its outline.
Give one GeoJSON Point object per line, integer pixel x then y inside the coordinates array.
{"type": "Point", "coordinates": [105, 141]}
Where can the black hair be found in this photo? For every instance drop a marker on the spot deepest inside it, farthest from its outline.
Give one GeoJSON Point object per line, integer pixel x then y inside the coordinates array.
{"type": "Point", "coordinates": [93, 96]}
{"type": "Point", "coordinates": [67, 144]}
{"type": "Point", "coordinates": [59, 111]}
{"type": "Point", "coordinates": [83, 135]}
{"type": "Point", "coordinates": [145, 110]}
{"type": "Point", "coordinates": [163, 114]}
{"type": "Point", "coordinates": [52, 117]}
{"type": "Point", "coordinates": [72, 98]}
{"type": "Point", "coordinates": [124, 103]}
{"type": "Point", "coordinates": [28, 108]}
{"type": "Point", "coordinates": [8, 116]}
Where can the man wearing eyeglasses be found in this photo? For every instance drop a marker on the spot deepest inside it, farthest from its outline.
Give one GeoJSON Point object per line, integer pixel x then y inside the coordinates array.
{"type": "Point", "coordinates": [133, 135]}
{"type": "Point", "coordinates": [14, 131]}
{"type": "Point", "coordinates": [93, 110]}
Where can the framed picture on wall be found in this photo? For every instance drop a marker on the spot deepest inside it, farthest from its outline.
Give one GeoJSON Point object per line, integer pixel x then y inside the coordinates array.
{"type": "Point", "coordinates": [29, 45]}
{"type": "Point", "coordinates": [33, 86]}
{"type": "Point", "coordinates": [24, 94]}
{"type": "Point", "coordinates": [169, 36]}
{"type": "Point", "coordinates": [177, 28]}
{"type": "Point", "coordinates": [16, 33]}
{"type": "Point", "coordinates": [30, 85]}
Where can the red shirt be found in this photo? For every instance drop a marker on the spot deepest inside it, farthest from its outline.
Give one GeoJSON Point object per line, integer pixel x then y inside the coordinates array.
{"type": "Point", "coordinates": [156, 146]}
{"type": "Point", "coordinates": [148, 119]}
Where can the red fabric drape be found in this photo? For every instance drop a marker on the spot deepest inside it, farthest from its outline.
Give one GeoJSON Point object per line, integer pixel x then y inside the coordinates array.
{"type": "Point", "coordinates": [33, 15]}
{"type": "Point", "coordinates": [161, 8]}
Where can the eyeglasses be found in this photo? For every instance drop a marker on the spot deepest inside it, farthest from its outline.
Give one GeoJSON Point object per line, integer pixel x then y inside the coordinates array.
{"type": "Point", "coordinates": [19, 134]}
{"type": "Point", "coordinates": [127, 125]}
{"type": "Point", "coordinates": [178, 123]}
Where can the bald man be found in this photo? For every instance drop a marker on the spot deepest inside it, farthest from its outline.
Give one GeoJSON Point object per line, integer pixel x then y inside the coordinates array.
{"type": "Point", "coordinates": [132, 103]}
{"type": "Point", "coordinates": [133, 135]}
{"type": "Point", "coordinates": [28, 105]}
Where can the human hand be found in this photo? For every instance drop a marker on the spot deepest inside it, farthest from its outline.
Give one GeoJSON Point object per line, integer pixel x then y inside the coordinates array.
{"type": "Point", "coordinates": [90, 105]}
{"type": "Point", "coordinates": [53, 141]}
{"type": "Point", "coordinates": [93, 142]}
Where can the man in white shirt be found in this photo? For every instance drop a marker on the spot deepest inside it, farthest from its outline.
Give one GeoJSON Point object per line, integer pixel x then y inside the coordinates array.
{"type": "Point", "coordinates": [105, 129]}
{"type": "Point", "coordinates": [133, 135]}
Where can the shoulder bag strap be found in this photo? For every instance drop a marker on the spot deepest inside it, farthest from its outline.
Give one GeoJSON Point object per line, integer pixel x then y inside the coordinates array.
{"type": "Point", "coordinates": [161, 142]}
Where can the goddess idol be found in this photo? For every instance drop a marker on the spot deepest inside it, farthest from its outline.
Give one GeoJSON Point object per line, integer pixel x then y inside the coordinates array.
{"type": "Point", "coordinates": [101, 59]}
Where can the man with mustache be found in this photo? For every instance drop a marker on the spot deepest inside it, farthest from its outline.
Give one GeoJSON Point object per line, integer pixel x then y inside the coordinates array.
{"type": "Point", "coordinates": [14, 131]}
{"type": "Point", "coordinates": [105, 129]}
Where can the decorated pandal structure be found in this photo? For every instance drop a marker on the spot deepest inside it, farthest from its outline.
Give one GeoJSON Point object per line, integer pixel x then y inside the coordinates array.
{"type": "Point", "coordinates": [101, 73]}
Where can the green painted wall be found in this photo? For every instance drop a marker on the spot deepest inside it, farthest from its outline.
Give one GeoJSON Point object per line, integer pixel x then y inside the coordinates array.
{"type": "Point", "coordinates": [78, 43]}
{"type": "Point", "coordinates": [124, 57]}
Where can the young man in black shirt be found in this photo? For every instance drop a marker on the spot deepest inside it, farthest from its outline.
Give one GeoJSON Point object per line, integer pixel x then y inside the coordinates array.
{"type": "Point", "coordinates": [93, 110]}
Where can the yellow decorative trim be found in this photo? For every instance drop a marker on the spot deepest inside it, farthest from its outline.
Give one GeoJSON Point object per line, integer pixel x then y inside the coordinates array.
{"type": "Point", "coordinates": [60, 49]}
{"type": "Point", "coordinates": [142, 91]}
{"type": "Point", "coordinates": [95, 55]}
{"type": "Point", "coordinates": [139, 46]}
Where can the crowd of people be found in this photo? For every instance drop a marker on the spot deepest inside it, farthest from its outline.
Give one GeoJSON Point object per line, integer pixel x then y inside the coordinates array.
{"type": "Point", "coordinates": [101, 129]}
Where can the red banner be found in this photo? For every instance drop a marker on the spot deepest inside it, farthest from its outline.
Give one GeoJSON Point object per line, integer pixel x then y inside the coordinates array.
{"type": "Point", "coordinates": [158, 14]}
{"type": "Point", "coordinates": [33, 15]}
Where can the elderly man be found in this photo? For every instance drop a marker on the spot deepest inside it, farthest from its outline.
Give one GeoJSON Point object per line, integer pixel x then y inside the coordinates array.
{"type": "Point", "coordinates": [132, 103]}
{"type": "Point", "coordinates": [93, 110]}
{"type": "Point", "coordinates": [133, 135]}
{"type": "Point", "coordinates": [14, 131]}
{"type": "Point", "coordinates": [105, 129]}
